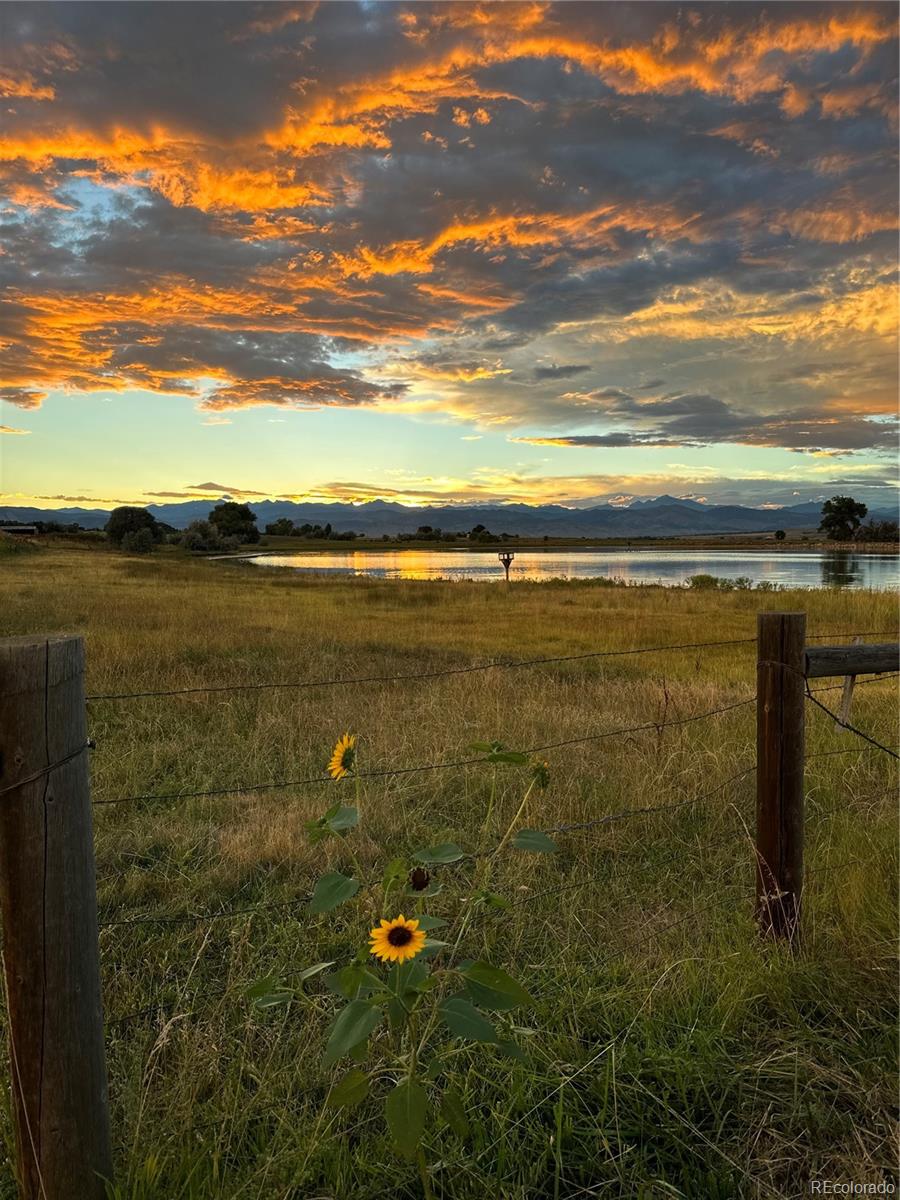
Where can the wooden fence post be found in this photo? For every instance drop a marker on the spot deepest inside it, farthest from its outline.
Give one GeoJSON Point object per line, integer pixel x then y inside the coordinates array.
{"type": "Point", "coordinates": [48, 902]}
{"type": "Point", "coordinates": [780, 722]}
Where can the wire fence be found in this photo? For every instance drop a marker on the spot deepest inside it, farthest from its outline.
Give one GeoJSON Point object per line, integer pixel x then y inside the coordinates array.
{"type": "Point", "coordinates": [494, 665]}
{"type": "Point", "coordinates": [238, 789]}
{"type": "Point", "coordinates": [173, 996]}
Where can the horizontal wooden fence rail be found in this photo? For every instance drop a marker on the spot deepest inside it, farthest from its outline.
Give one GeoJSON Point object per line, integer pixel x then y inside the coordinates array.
{"type": "Point", "coordinates": [874, 658]}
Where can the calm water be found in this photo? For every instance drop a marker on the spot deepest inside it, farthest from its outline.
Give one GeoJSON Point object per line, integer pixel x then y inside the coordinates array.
{"type": "Point", "coordinates": [670, 567]}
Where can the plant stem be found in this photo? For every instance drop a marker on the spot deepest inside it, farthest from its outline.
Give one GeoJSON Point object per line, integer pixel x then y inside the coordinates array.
{"type": "Point", "coordinates": [423, 1174]}
{"type": "Point", "coordinates": [515, 819]}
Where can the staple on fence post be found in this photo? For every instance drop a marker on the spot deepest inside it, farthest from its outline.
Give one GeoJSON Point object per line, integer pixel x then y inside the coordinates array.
{"type": "Point", "coordinates": [48, 904]}
{"type": "Point", "coordinates": [780, 725]}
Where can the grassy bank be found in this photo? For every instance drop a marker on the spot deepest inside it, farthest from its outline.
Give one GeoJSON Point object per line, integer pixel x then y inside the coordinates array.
{"type": "Point", "coordinates": [669, 1053]}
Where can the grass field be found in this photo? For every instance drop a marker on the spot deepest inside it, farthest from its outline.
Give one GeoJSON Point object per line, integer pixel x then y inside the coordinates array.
{"type": "Point", "coordinates": [671, 1054]}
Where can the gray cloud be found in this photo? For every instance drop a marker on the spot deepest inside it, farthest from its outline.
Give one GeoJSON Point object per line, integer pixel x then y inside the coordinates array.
{"type": "Point", "coordinates": [563, 371]}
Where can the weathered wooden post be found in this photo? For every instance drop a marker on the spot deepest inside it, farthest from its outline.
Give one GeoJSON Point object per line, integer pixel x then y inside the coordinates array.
{"type": "Point", "coordinates": [48, 902]}
{"type": "Point", "coordinates": [780, 726]}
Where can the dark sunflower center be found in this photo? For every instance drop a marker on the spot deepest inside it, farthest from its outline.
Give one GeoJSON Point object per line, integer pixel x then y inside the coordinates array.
{"type": "Point", "coordinates": [399, 936]}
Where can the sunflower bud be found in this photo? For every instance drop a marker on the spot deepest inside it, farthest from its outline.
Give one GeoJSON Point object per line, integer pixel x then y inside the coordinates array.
{"type": "Point", "coordinates": [419, 879]}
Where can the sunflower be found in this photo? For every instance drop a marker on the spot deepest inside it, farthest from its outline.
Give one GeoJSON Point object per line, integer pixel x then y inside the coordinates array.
{"type": "Point", "coordinates": [343, 756]}
{"type": "Point", "coordinates": [397, 940]}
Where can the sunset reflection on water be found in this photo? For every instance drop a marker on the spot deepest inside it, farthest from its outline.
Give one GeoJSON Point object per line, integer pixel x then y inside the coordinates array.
{"type": "Point", "coordinates": [667, 567]}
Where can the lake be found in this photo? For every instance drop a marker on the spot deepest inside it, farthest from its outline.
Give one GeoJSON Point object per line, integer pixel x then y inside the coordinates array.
{"type": "Point", "coordinates": [669, 567]}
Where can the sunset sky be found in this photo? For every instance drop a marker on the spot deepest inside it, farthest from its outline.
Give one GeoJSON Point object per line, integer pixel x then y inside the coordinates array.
{"type": "Point", "coordinates": [447, 252]}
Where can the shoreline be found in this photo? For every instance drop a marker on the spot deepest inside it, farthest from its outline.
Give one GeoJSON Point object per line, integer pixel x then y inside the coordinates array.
{"type": "Point", "coordinates": [541, 547]}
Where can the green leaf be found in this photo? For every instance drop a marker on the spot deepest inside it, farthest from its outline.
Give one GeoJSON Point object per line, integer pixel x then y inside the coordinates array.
{"type": "Point", "coordinates": [508, 756]}
{"type": "Point", "coordinates": [405, 1110]}
{"type": "Point", "coordinates": [454, 1113]}
{"type": "Point", "coordinates": [493, 900]}
{"type": "Point", "coordinates": [534, 841]}
{"type": "Point", "coordinates": [484, 747]}
{"type": "Point", "coordinates": [406, 976]}
{"type": "Point", "coordinates": [394, 873]}
{"type": "Point", "coordinates": [446, 852]}
{"type": "Point", "coordinates": [397, 1014]}
{"type": "Point", "coordinates": [345, 817]}
{"type": "Point", "coordinates": [261, 987]}
{"type": "Point", "coordinates": [352, 1026]}
{"type": "Point", "coordinates": [426, 922]}
{"type": "Point", "coordinates": [487, 998]}
{"type": "Point", "coordinates": [511, 1050]}
{"type": "Point", "coordinates": [351, 1090]}
{"type": "Point", "coordinates": [497, 981]}
{"type": "Point", "coordinates": [432, 947]}
{"type": "Point", "coordinates": [268, 993]}
{"type": "Point", "coordinates": [315, 970]}
{"type": "Point", "coordinates": [353, 981]}
{"type": "Point", "coordinates": [273, 999]}
{"type": "Point", "coordinates": [316, 832]}
{"type": "Point", "coordinates": [464, 1020]}
{"type": "Point", "coordinates": [332, 890]}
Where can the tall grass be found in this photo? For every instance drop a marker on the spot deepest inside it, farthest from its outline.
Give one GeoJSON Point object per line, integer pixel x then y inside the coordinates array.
{"type": "Point", "coordinates": [671, 1053]}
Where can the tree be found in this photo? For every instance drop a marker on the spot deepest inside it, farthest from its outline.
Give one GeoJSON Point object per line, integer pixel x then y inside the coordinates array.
{"type": "Point", "coordinates": [841, 517]}
{"type": "Point", "coordinates": [235, 520]}
{"type": "Point", "coordinates": [203, 535]}
{"type": "Point", "coordinates": [129, 520]}
{"type": "Point", "coordinates": [138, 541]}
{"type": "Point", "coordinates": [779, 535]}
{"type": "Point", "coordinates": [879, 531]}
{"type": "Point", "coordinates": [283, 527]}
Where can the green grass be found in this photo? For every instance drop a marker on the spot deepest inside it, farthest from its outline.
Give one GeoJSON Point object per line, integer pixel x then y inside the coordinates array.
{"type": "Point", "coordinates": [671, 1053]}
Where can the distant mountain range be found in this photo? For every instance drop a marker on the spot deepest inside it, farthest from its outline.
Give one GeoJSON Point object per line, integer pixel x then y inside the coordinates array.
{"type": "Point", "coordinates": [660, 516]}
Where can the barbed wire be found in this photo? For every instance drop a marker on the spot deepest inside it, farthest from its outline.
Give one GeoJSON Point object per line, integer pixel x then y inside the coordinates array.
{"type": "Point", "coordinates": [851, 728]}
{"type": "Point", "coordinates": [810, 695]}
{"type": "Point", "coordinates": [571, 827]}
{"type": "Point", "coordinates": [220, 990]}
{"type": "Point", "coordinates": [834, 687]}
{"type": "Point", "coordinates": [500, 664]}
{"type": "Point", "coordinates": [48, 770]}
{"type": "Point", "coordinates": [656, 808]}
{"type": "Point", "coordinates": [279, 784]}
{"type": "Point", "coordinates": [204, 918]}
{"type": "Point", "coordinates": [574, 827]}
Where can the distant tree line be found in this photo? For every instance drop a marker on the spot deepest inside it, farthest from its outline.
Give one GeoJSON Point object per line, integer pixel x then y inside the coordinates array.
{"type": "Point", "coordinates": [478, 533]}
{"type": "Point", "coordinates": [230, 525]}
{"type": "Point", "coordinates": [285, 527]}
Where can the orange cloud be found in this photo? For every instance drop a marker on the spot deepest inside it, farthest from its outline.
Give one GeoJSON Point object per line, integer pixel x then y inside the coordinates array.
{"type": "Point", "coordinates": [842, 219]}
{"type": "Point", "coordinates": [23, 86]}
{"type": "Point", "coordinates": [535, 229]}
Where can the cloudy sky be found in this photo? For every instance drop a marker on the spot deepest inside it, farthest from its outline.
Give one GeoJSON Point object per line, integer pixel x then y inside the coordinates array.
{"type": "Point", "coordinates": [461, 251]}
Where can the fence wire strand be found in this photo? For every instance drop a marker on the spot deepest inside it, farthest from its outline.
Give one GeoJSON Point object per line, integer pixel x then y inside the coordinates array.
{"type": "Point", "coordinates": [851, 728]}
{"type": "Point", "coordinates": [500, 664]}
{"type": "Point", "coordinates": [237, 790]}
{"type": "Point", "coordinates": [48, 770]}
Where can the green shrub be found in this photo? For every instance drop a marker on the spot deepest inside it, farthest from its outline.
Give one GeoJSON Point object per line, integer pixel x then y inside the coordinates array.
{"type": "Point", "coordinates": [138, 541]}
